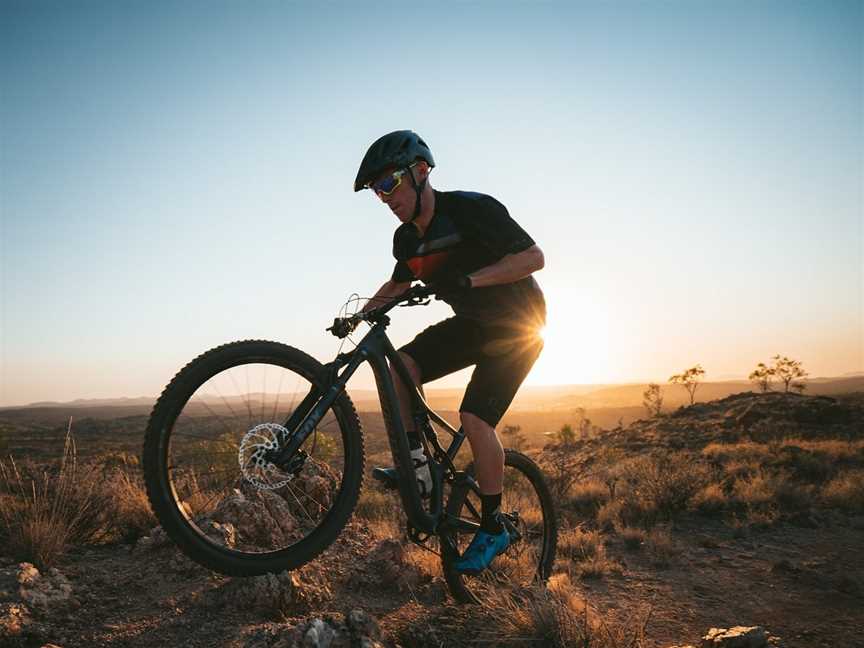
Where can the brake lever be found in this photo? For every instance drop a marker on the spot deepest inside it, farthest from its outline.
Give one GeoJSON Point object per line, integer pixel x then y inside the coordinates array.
{"type": "Point", "coordinates": [417, 301]}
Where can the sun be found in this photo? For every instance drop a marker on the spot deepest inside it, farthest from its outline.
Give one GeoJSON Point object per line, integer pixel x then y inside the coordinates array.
{"type": "Point", "coordinates": [575, 350]}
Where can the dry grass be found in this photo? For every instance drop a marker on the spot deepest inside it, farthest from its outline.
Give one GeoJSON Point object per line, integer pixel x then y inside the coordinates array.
{"type": "Point", "coordinates": [598, 566]}
{"type": "Point", "coordinates": [577, 545]}
{"type": "Point", "coordinates": [374, 505]}
{"type": "Point", "coordinates": [51, 510]}
{"type": "Point", "coordinates": [609, 516]}
{"type": "Point", "coordinates": [744, 451]}
{"type": "Point", "coordinates": [709, 500]}
{"type": "Point", "coordinates": [845, 491]}
{"type": "Point", "coordinates": [46, 509]}
{"type": "Point", "coordinates": [588, 496]}
{"type": "Point", "coordinates": [553, 617]}
{"type": "Point", "coordinates": [633, 538]}
{"type": "Point", "coordinates": [661, 547]}
{"type": "Point", "coordinates": [657, 488]}
{"type": "Point", "coordinates": [756, 490]}
{"type": "Point", "coordinates": [132, 516]}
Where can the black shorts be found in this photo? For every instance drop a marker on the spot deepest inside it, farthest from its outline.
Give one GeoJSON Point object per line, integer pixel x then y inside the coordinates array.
{"type": "Point", "coordinates": [503, 357]}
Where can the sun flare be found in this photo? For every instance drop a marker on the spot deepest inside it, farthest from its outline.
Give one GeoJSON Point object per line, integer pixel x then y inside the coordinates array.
{"type": "Point", "coordinates": [576, 350]}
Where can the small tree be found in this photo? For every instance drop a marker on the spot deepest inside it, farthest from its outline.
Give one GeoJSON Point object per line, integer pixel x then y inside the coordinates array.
{"type": "Point", "coordinates": [583, 424]}
{"type": "Point", "coordinates": [652, 399]}
{"type": "Point", "coordinates": [762, 375]}
{"type": "Point", "coordinates": [565, 435]}
{"type": "Point", "coordinates": [562, 460]}
{"type": "Point", "coordinates": [689, 380]}
{"type": "Point", "coordinates": [787, 370]}
{"type": "Point", "coordinates": [514, 437]}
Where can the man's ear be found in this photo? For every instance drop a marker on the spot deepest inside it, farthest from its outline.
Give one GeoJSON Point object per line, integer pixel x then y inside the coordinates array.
{"type": "Point", "coordinates": [422, 168]}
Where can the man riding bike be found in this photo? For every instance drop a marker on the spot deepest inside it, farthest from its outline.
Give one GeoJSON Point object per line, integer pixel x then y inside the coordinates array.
{"type": "Point", "coordinates": [480, 262]}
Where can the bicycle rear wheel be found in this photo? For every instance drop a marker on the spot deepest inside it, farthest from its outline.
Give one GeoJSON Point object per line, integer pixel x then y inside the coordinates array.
{"type": "Point", "coordinates": [208, 463]}
{"type": "Point", "coordinates": [529, 511]}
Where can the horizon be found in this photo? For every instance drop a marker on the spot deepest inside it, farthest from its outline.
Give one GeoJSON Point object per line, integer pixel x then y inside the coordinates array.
{"type": "Point", "coordinates": [174, 177]}
{"type": "Point", "coordinates": [438, 390]}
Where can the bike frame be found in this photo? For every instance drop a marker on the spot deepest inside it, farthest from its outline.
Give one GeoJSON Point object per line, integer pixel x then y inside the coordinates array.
{"type": "Point", "coordinates": [376, 348]}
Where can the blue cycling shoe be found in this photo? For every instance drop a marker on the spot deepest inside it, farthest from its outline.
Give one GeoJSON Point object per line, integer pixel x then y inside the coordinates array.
{"type": "Point", "coordinates": [482, 551]}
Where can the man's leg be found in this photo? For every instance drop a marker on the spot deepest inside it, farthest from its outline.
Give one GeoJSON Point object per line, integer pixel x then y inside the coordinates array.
{"type": "Point", "coordinates": [433, 353]}
{"type": "Point", "coordinates": [488, 453]}
{"type": "Point", "coordinates": [403, 393]}
{"type": "Point", "coordinates": [493, 385]}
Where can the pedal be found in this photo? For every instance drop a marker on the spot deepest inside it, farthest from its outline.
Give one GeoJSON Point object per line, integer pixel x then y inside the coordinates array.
{"type": "Point", "coordinates": [388, 477]}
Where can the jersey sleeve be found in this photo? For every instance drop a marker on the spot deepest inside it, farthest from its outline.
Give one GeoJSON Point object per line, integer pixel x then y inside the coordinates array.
{"type": "Point", "coordinates": [492, 227]}
{"type": "Point", "coordinates": [401, 272]}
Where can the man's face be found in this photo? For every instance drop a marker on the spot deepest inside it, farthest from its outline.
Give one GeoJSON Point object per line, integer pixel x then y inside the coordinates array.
{"type": "Point", "coordinates": [401, 201]}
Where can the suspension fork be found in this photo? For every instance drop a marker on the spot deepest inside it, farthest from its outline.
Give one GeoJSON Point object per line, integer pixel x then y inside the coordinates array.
{"type": "Point", "coordinates": [312, 408]}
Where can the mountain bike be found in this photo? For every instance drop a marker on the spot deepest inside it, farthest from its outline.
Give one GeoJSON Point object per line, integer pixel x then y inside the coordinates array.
{"type": "Point", "coordinates": [254, 459]}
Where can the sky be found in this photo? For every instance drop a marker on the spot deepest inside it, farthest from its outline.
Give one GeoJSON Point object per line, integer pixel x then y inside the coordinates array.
{"type": "Point", "coordinates": [174, 176]}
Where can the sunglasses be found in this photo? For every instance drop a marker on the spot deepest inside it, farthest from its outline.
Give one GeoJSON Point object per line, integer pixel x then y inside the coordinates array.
{"type": "Point", "coordinates": [388, 184]}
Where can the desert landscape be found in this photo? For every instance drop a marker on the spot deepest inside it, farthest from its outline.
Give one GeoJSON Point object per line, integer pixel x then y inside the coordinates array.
{"type": "Point", "coordinates": [745, 509]}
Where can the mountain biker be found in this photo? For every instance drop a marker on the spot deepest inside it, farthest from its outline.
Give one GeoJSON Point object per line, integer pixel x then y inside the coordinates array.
{"type": "Point", "coordinates": [480, 262]}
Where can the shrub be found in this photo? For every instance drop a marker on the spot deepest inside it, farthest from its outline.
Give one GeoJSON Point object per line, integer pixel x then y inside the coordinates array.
{"type": "Point", "coordinates": [845, 491]}
{"type": "Point", "coordinates": [661, 547]}
{"type": "Point", "coordinates": [659, 487]}
{"type": "Point", "coordinates": [576, 544]}
{"type": "Point", "coordinates": [50, 511]}
{"type": "Point", "coordinates": [587, 497]}
{"type": "Point", "coordinates": [132, 516]}
{"type": "Point", "coordinates": [374, 505]}
{"type": "Point", "coordinates": [743, 451]}
{"type": "Point", "coordinates": [598, 565]}
{"type": "Point", "coordinates": [709, 500]}
{"type": "Point", "coordinates": [633, 538]}
{"type": "Point", "coordinates": [756, 490]}
{"type": "Point", "coordinates": [609, 515]}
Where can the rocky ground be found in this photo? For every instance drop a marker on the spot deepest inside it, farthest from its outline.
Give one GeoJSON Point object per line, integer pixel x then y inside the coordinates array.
{"type": "Point", "coordinates": [801, 578]}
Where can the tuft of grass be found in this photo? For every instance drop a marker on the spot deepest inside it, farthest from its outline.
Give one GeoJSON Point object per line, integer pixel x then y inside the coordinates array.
{"type": "Point", "coordinates": [609, 516]}
{"type": "Point", "coordinates": [557, 617]}
{"type": "Point", "coordinates": [374, 505]}
{"type": "Point", "coordinates": [577, 545]}
{"type": "Point", "coordinates": [743, 451]}
{"type": "Point", "coordinates": [598, 566]}
{"type": "Point", "coordinates": [132, 516]}
{"type": "Point", "coordinates": [709, 500]}
{"type": "Point", "coordinates": [51, 510]}
{"type": "Point", "coordinates": [633, 538]}
{"type": "Point", "coordinates": [588, 496]}
{"type": "Point", "coordinates": [661, 547]}
{"type": "Point", "coordinates": [845, 491]}
{"type": "Point", "coordinates": [660, 487]}
{"type": "Point", "coordinates": [754, 491]}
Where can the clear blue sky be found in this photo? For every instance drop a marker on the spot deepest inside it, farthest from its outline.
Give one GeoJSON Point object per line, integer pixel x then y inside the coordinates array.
{"type": "Point", "coordinates": [178, 175]}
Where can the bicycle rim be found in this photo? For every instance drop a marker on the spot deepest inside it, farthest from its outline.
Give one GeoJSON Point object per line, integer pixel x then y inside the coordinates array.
{"type": "Point", "coordinates": [230, 502]}
{"type": "Point", "coordinates": [529, 510]}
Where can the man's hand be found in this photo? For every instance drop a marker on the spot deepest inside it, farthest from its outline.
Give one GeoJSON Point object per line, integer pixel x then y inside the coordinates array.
{"type": "Point", "coordinates": [451, 285]}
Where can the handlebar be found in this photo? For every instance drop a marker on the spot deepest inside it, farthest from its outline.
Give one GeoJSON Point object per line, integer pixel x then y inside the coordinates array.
{"type": "Point", "coordinates": [415, 296]}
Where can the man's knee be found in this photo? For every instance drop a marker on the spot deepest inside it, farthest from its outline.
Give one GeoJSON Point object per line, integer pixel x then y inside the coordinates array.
{"type": "Point", "coordinates": [412, 367]}
{"type": "Point", "coordinates": [474, 425]}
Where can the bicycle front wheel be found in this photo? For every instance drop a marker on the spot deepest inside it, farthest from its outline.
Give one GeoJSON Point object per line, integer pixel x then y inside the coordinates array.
{"type": "Point", "coordinates": [529, 511]}
{"type": "Point", "coordinates": [208, 461]}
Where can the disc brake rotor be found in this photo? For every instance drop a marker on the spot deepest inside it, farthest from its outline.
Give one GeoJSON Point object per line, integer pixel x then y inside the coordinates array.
{"type": "Point", "coordinates": [258, 443]}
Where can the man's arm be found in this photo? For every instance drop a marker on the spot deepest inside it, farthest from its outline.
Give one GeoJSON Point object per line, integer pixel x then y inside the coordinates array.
{"type": "Point", "coordinates": [385, 293]}
{"type": "Point", "coordinates": [510, 268]}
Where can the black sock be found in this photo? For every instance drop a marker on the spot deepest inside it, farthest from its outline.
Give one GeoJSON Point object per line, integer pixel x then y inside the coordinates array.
{"type": "Point", "coordinates": [491, 507]}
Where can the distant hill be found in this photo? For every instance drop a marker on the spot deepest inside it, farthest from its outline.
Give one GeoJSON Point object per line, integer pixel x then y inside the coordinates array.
{"type": "Point", "coordinates": [604, 402]}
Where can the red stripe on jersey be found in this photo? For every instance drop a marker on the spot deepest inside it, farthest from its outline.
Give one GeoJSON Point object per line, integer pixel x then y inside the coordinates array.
{"type": "Point", "coordinates": [425, 267]}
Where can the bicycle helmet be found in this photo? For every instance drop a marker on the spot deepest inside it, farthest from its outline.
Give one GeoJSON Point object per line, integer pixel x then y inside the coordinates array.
{"type": "Point", "coordinates": [397, 149]}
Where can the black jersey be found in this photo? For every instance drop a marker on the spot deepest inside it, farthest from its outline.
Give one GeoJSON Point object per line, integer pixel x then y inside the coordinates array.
{"type": "Point", "coordinates": [469, 231]}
